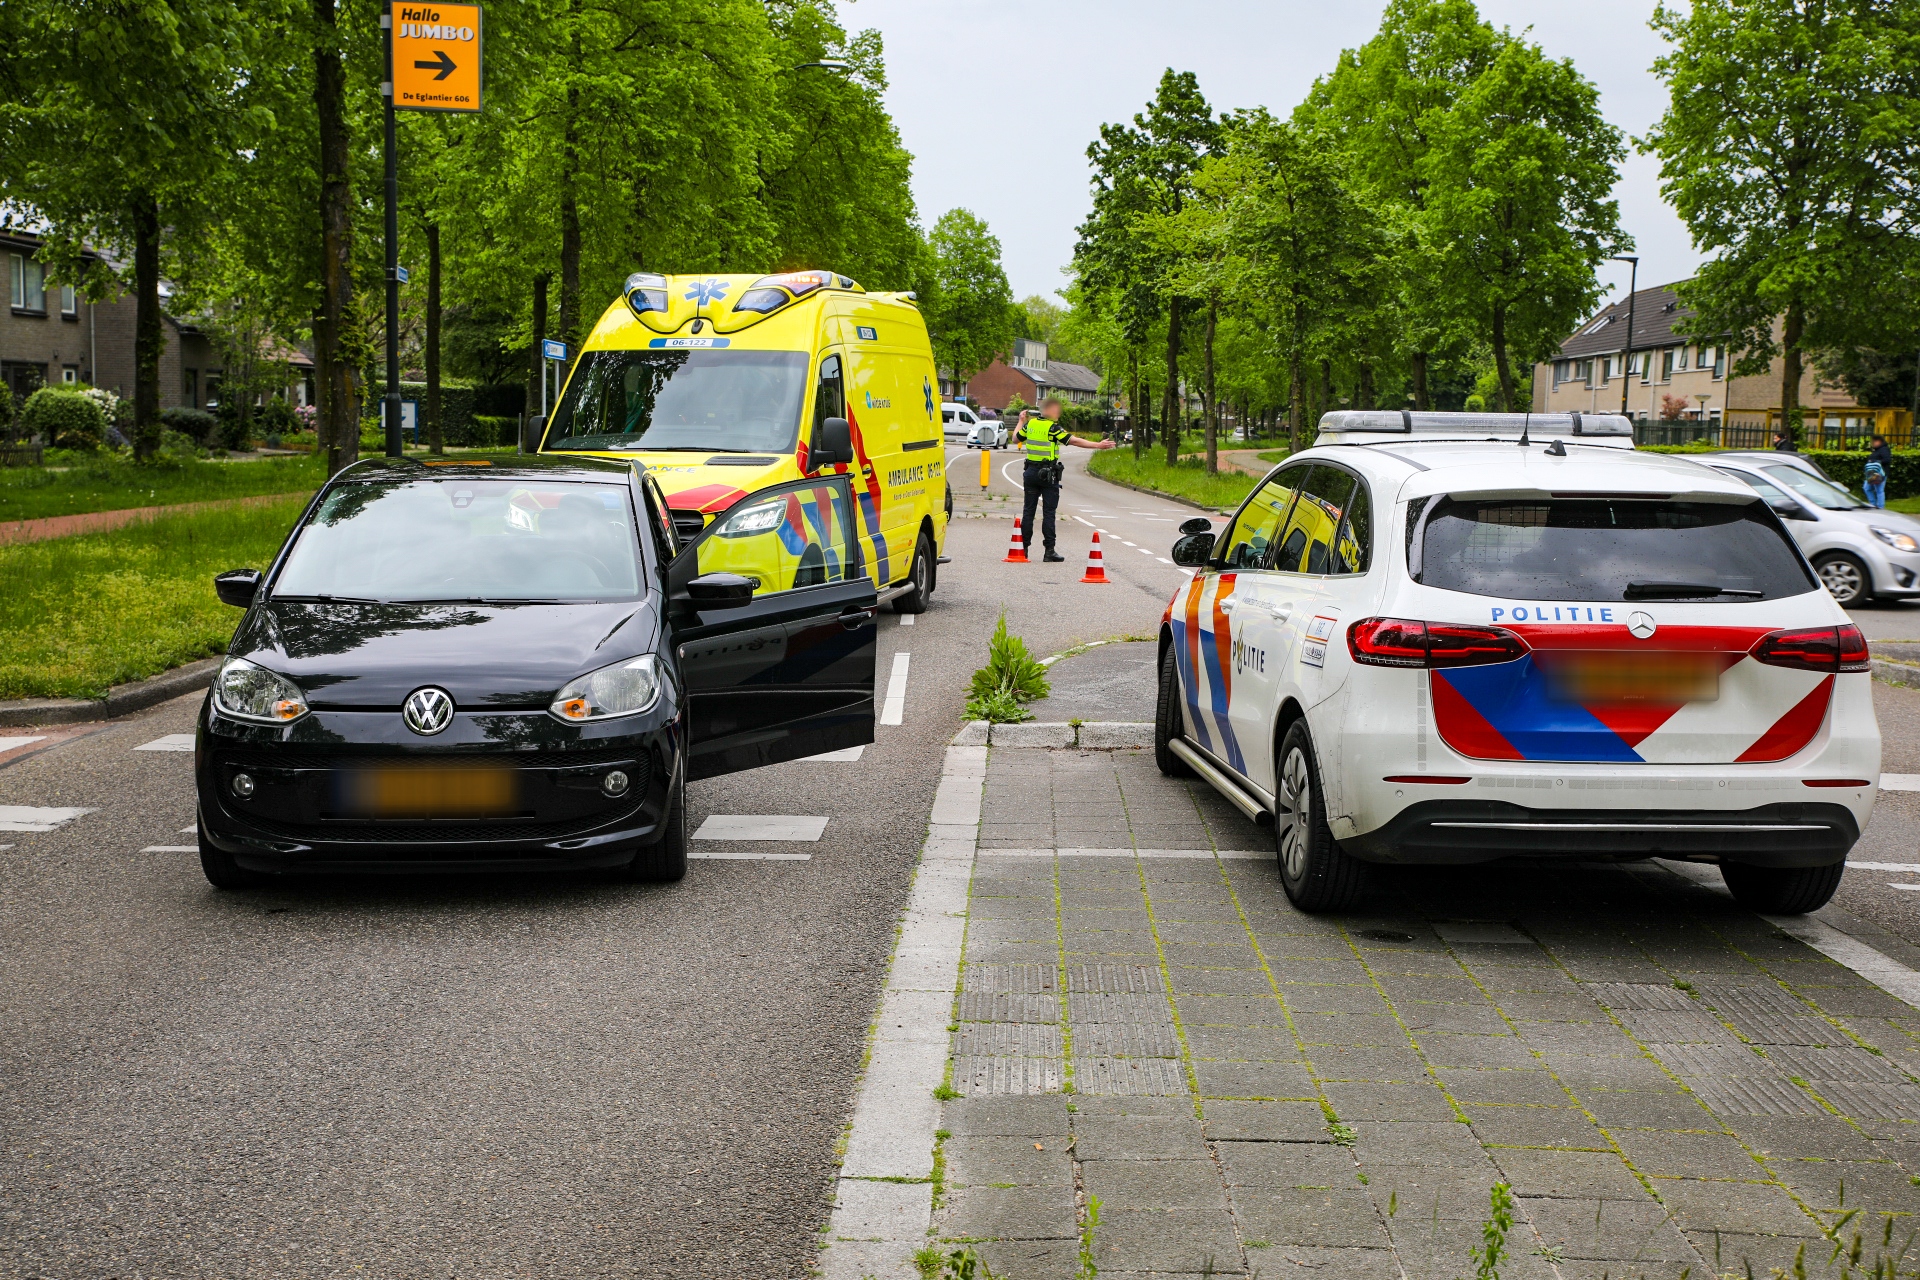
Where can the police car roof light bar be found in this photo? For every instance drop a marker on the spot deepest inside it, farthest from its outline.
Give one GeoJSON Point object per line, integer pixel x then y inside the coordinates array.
{"type": "Point", "coordinates": [1367, 426]}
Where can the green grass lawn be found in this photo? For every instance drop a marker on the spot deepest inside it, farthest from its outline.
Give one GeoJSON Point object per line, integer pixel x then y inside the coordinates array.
{"type": "Point", "coordinates": [82, 613]}
{"type": "Point", "coordinates": [1189, 480]}
{"type": "Point", "coordinates": [29, 493]}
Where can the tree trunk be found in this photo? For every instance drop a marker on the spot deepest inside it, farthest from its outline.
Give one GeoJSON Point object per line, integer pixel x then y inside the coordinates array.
{"type": "Point", "coordinates": [1143, 434]}
{"type": "Point", "coordinates": [1420, 380]}
{"type": "Point", "coordinates": [1134, 405]}
{"type": "Point", "coordinates": [322, 370]}
{"type": "Point", "coordinates": [1793, 326]}
{"type": "Point", "coordinates": [1499, 336]}
{"type": "Point", "coordinates": [148, 338]}
{"type": "Point", "coordinates": [1326, 393]}
{"type": "Point", "coordinates": [1213, 396]}
{"type": "Point", "coordinates": [436, 442]}
{"type": "Point", "coordinates": [339, 406]}
{"type": "Point", "coordinates": [536, 367]}
{"type": "Point", "coordinates": [1296, 375]}
{"type": "Point", "coordinates": [570, 205]}
{"type": "Point", "coordinates": [1363, 387]}
{"type": "Point", "coordinates": [1176, 412]}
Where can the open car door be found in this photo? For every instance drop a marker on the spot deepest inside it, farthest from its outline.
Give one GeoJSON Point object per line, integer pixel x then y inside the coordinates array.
{"type": "Point", "coordinates": [773, 617]}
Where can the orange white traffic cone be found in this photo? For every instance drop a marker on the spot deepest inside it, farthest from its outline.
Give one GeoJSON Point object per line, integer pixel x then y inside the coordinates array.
{"type": "Point", "coordinates": [1016, 550]}
{"type": "Point", "coordinates": [1096, 565]}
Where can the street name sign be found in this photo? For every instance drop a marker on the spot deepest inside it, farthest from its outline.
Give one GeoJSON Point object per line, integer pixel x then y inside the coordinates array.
{"type": "Point", "coordinates": [436, 57]}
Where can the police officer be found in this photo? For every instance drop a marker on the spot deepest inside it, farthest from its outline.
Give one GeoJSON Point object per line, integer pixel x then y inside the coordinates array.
{"type": "Point", "coordinates": [1042, 435]}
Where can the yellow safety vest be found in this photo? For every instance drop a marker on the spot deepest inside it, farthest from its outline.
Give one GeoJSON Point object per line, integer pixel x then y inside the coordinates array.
{"type": "Point", "coordinates": [1043, 445]}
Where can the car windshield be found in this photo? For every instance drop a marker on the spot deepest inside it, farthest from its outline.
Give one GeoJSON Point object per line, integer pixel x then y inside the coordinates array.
{"type": "Point", "coordinates": [1821, 493]}
{"type": "Point", "coordinates": [686, 401]}
{"type": "Point", "coordinates": [1609, 549]}
{"type": "Point", "coordinates": [468, 540]}
{"type": "Point", "coordinates": [1759, 486]}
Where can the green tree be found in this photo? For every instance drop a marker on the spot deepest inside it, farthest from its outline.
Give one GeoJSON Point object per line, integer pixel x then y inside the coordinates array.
{"type": "Point", "coordinates": [1516, 203]}
{"type": "Point", "coordinates": [1789, 150]}
{"type": "Point", "coordinates": [969, 308]}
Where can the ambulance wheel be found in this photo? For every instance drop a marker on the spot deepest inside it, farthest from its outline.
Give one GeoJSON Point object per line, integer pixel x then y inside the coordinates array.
{"type": "Point", "coordinates": [916, 597]}
{"type": "Point", "coordinates": [1166, 720]}
{"type": "Point", "coordinates": [1315, 872]}
{"type": "Point", "coordinates": [665, 860]}
{"type": "Point", "coordinates": [1782, 891]}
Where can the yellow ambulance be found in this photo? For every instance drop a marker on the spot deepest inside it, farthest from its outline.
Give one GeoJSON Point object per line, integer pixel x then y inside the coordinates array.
{"type": "Point", "coordinates": [725, 385]}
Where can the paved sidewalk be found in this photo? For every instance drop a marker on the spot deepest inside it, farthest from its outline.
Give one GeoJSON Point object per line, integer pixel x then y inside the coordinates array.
{"type": "Point", "coordinates": [1669, 1084]}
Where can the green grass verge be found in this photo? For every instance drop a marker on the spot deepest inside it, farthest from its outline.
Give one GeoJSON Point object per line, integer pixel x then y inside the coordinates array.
{"type": "Point", "coordinates": [1909, 505]}
{"type": "Point", "coordinates": [100, 609]}
{"type": "Point", "coordinates": [31, 493]}
{"type": "Point", "coordinates": [1189, 480]}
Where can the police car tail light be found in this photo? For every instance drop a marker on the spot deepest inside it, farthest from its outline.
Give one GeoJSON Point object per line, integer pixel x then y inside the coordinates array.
{"type": "Point", "coordinates": [1404, 642]}
{"type": "Point", "coordinates": [1840, 648]}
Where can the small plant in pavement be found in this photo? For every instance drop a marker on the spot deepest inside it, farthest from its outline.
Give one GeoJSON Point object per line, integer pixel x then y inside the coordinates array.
{"type": "Point", "coordinates": [1088, 1269]}
{"type": "Point", "coordinates": [1493, 1234]}
{"type": "Point", "coordinates": [1011, 677]}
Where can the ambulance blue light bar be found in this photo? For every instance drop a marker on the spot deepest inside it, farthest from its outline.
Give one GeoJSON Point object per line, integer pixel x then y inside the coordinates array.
{"type": "Point", "coordinates": [1378, 426]}
{"type": "Point", "coordinates": [646, 291]}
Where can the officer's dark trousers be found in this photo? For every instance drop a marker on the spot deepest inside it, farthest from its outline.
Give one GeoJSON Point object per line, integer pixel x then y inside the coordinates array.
{"type": "Point", "coordinates": [1039, 483]}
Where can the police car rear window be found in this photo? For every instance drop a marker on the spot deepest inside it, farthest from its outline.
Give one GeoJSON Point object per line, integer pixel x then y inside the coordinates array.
{"type": "Point", "coordinates": [1607, 549]}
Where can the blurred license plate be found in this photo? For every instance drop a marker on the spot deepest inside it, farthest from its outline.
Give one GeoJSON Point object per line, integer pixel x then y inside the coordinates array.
{"type": "Point", "coordinates": [428, 793]}
{"type": "Point", "coordinates": [1635, 677]}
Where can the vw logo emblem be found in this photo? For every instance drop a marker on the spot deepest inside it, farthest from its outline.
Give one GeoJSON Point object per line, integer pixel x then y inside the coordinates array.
{"type": "Point", "coordinates": [1641, 626]}
{"type": "Point", "coordinates": [428, 711]}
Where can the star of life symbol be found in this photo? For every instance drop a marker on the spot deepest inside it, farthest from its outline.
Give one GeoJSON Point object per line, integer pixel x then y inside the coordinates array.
{"type": "Point", "coordinates": [926, 389]}
{"type": "Point", "coordinates": [711, 289]}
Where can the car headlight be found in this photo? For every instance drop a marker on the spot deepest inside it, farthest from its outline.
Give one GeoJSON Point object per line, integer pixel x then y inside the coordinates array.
{"type": "Point", "coordinates": [248, 691]}
{"type": "Point", "coordinates": [1897, 540]}
{"type": "Point", "coordinates": [623, 689]}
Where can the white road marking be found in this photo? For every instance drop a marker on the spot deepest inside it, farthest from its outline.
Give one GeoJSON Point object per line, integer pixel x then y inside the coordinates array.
{"type": "Point", "coordinates": [844, 754]}
{"type": "Point", "coordinates": [8, 744]}
{"type": "Point", "coordinates": [751, 857]}
{"type": "Point", "coordinates": [1241, 855]}
{"type": "Point", "coordinates": [172, 742]}
{"type": "Point", "coordinates": [190, 831]}
{"type": "Point", "coordinates": [760, 826]}
{"type": "Point", "coordinates": [1143, 551]}
{"type": "Point", "coordinates": [171, 848]}
{"type": "Point", "coordinates": [1087, 523]}
{"type": "Point", "coordinates": [26, 817]}
{"type": "Point", "coordinates": [1910, 867]}
{"type": "Point", "coordinates": [5, 846]}
{"type": "Point", "coordinates": [906, 619]}
{"type": "Point", "coordinates": [895, 708]}
{"type": "Point", "coordinates": [1900, 782]}
{"type": "Point", "coordinates": [1891, 885]}
{"type": "Point", "coordinates": [1163, 560]}
{"type": "Point", "coordinates": [1134, 545]}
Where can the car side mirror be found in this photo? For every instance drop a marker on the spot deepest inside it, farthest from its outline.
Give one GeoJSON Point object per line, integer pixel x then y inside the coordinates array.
{"type": "Point", "coordinates": [237, 587]}
{"type": "Point", "coordinates": [1192, 550]}
{"type": "Point", "coordinates": [1790, 511]}
{"type": "Point", "coordinates": [833, 443]}
{"type": "Point", "coordinates": [536, 432]}
{"type": "Point", "coordinates": [1198, 524]}
{"type": "Point", "coordinates": [721, 591]}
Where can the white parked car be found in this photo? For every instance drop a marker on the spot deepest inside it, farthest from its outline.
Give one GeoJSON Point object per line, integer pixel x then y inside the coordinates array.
{"type": "Point", "coordinates": [990, 434]}
{"type": "Point", "coordinates": [1432, 638]}
{"type": "Point", "coordinates": [1859, 551]}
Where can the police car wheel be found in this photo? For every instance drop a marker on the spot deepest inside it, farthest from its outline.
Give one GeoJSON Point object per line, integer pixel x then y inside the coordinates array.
{"type": "Point", "coordinates": [915, 598]}
{"type": "Point", "coordinates": [665, 860]}
{"type": "Point", "coordinates": [1166, 720]}
{"type": "Point", "coordinates": [1782, 891]}
{"type": "Point", "coordinates": [1315, 872]}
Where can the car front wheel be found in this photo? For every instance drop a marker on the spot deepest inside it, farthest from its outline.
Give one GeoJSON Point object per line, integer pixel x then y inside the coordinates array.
{"type": "Point", "coordinates": [1166, 720]}
{"type": "Point", "coordinates": [221, 871]}
{"type": "Point", "coordinates": [1845, 578]}
{"type": "Point", "coordinates": [665, 860]}
{"type": "Point", "coordinates": [1316, 873]}
{"type": "Point", "coordinates": [1782, 891]}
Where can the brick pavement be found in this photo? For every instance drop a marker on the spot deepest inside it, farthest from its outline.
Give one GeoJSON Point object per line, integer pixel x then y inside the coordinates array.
{"type": "Point", "coordinates": [1669, 1084]}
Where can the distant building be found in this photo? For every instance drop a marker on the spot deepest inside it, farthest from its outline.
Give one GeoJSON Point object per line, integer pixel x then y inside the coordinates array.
{"type": "Point", "coordinates": [51, 334]}
{"type": "Point", "coordinates": [1032, 376]}
{"type": "Point", "coordinates": [1684, 383]}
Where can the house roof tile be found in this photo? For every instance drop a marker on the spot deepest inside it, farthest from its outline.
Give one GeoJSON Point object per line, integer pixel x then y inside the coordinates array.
{"type": "Point", "coordinates": [1655, 312]}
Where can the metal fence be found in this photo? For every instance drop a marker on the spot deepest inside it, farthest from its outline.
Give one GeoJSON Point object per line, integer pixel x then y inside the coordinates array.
{"type": "Point", "coordinates": [1845, 429]}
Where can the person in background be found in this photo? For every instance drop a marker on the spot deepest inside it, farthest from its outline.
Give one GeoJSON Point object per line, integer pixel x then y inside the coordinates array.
{"type": "Point", "coordinates": [1879, 467]}
{"type": "Point", "coordinates": [1783, 439]}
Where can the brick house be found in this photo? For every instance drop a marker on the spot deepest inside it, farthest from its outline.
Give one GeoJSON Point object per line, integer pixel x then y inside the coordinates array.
{"type": "Point", "coordinates": [1033, 377]}
{"type": "Point", "coordinates": [1680, 386]}
{"type": "Point", "coordinates": [51, 334]}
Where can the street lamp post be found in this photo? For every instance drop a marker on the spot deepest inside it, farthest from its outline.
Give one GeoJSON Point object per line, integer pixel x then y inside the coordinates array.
{"type": "Point", "coordinates": [1626, 361]}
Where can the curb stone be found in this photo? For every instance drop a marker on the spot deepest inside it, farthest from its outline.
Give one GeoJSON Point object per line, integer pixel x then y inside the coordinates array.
{"type": "Point", "coordinates": [1089, 735]}
{"type": "Point", "coordinates": [1900, 673]}
{"type": "Point", "coordinates": [122, 699]}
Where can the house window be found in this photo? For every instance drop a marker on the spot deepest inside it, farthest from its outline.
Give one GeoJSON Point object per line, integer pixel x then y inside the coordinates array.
{"type": "Point", "coordinates": [1666, 365]}
{"type": "Point", "coordinates": [29, 284]}
{"type": "Point", "coordinates": [1680, 360]}
{"type": "Point", "coordinates": [69, 302]}
{"type": "Point", "coordinates": [70, 374]}
{"type": "Point", "coordinates": [1719, 363]}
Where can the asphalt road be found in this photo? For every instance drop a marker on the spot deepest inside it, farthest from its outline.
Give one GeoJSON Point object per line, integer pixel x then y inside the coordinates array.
{"type": "Point", "coordinates": [515, 1077]}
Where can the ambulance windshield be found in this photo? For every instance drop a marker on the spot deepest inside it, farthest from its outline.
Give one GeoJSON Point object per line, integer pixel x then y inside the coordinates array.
{"type": "Point", "coordinates": [700, 401]}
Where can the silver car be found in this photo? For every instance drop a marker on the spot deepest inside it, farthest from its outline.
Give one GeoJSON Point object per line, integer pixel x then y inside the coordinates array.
{"type": "Point", "coordinates": [1860, 552]}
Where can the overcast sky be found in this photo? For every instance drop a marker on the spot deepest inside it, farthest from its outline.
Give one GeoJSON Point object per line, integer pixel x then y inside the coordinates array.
{"type": "Point", "coordinates": [998, 99]}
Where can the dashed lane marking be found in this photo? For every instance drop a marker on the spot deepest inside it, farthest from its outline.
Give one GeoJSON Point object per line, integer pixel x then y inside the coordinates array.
{"type": "Point", "coordinates": [1087, 523]}
{"type": "Point", "coordinates": [190, 831]}
{"type": "Point", "coordinates": [1125, 543]}
{"type": "Point", "coordinates": [1900, 782]}
{"type": "Point", "coordinates": [751, 857]}
{"type": "Point", "coordinates": [1143, 551]}
{"type": "Point", "coordinates": [895, 709]}
{"type": "Point", "coordinates": [172, 742]}
{"type": "Point", "coordinates": [1909, 867]}
{"type": "Point", "coordinates": [26, 817]}
{"type": "Point", "coordinates": [9, 744]}
{"type": "Point", "coordinates": [761, 826]}
{"type": "Point", "coordinates": [906, 619]}
{"type": "Point", "coordinates": [1891, 885]}
{"type": "Point", "coordinates": [1163, 560]}
{"type": "Point", "coordinates": [845, 754]}
{"type": "Point", "coordinates": [171, 848]}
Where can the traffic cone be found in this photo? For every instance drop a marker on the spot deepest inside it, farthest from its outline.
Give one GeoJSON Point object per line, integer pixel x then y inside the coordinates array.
{"type": "Point", "coordinates": [1016, 550]}
{"type": "Point", "coordinates": [1096, 565]}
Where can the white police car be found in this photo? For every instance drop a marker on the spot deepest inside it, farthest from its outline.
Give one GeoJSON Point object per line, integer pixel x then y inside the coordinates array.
{"type": "Point", "coordinates": [1450, 638]}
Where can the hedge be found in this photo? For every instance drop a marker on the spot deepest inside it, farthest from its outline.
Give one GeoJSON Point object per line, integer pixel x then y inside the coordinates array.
{"type": "Point", "coordinates": [1847, 466]}
{"type": "Point", "coordinates": [64, 419]}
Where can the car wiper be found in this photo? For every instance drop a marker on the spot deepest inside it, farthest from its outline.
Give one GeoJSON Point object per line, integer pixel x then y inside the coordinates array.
{"type": "Point", "coordinates": [327, 599]}
{"type": "Point", "coordinates": [1681, 590]}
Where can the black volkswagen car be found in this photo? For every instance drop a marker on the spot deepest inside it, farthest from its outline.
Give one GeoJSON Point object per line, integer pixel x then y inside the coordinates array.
{"type": "Point", "coordinates": [515, 665]}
